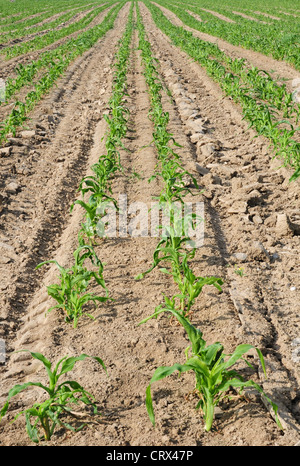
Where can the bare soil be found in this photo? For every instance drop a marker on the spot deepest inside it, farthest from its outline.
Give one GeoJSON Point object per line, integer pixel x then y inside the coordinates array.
{"type": "Point", "coordinates": [252, 225]}
{"type": "Point", "coordinates": [218, 15]}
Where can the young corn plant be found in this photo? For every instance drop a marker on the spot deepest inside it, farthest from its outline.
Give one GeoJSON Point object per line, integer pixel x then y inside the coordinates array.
{"type": "Point", "coordinates": [71, 293]}
{"type": "Point", "coordinates": [98, 203]}
{"type": "Point", "coordinates": [212, 368]}
{"type": "Point", "coordinates": [173, 254]}
{"type": "Point", "coordinates": [43, 417]}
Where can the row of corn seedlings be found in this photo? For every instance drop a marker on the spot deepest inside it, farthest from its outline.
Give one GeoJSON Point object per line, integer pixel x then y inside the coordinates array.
{"type": "Point", "coordinates": [247, 92]}
{"type": "Point", "coordinates": [71, 294]}
{"type": "Point", "coordinates": [173, 248]}
{"type": "Point", "coordinates": [98, 185]}
{"type": "Point", "coordinates": [211, 366]}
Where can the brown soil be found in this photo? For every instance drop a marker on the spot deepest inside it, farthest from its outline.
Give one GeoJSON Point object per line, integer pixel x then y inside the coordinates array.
{"type": "Point", "coordinates": [267, 15]}
{"type": "Point", "coordinates": [252, 225]}
{"type": "Point", "coordinates": [197, 17]}
{"type": "Point", "coordinates": [57, 15]}
{"type": "Point", "coordinates": [248, 17]}
{"type": "Point", "coordinates": [218, 15]}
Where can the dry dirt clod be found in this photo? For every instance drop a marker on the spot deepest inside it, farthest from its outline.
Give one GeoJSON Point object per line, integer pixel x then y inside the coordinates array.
{"type": "Point", "coordinates": [202, 170]}
{"type": "Point", "coordinates": [194, 126]}
{"type": "Point", "coordinates": [258, 251]}
{"type": "Point", "coordinates": [284, 226]}
{"type": "Point", "coordinates": [28, 134]}
{"type": "Point", "coordinates": [12, 187]}
{"type": "Point", "coordinates": [5, 151]}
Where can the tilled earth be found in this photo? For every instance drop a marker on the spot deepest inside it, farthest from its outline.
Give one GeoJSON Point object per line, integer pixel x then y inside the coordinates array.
{"type": "Point", "coordinates": [251, 241]}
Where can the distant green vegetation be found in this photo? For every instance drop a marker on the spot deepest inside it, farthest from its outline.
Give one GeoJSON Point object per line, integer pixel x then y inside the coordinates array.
{"type": "Point", "coordinates": [18, 10]}
{"type": "Point", "coordinates": [54, 63]}
{"type": "Point", "coordinates": [277, 38]}
{"type": "Point", "coordinates": [48, 20]}
{"type": "Point", "coordinates": [266, 105]}
{"type": "Point", "coordinates": [42, 41]}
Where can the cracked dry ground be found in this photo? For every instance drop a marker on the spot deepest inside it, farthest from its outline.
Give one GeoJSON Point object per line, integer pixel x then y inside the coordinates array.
{"type": "Point", "coordinates": [252, 222]}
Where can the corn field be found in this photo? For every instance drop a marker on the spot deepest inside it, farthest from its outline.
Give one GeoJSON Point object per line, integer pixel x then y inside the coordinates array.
{"type": "Point", "coordinates": [150, 223]}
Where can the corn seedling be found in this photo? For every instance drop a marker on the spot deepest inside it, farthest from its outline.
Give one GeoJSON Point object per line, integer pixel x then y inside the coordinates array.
{"type": "Point", "coordinates": [98, 202]}
{"type": "Point", "coordinates": [213, 371]}
{"type": "Point", "coordinates": [43, 417]}
{"type": "Point", "coordinates": [71, 293]}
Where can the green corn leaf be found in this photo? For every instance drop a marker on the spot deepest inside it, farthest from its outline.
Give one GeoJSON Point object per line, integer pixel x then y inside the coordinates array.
{"type": "Point", "coordinates": [237, 354]}
{"type": "Point", "coordinates": [61, 269]}
{"type": "Point", "coordinates": [16, 390]}
{"type": "Point", "coordinates": [295, 175]}
{"type": "Point", "coordinates": [69, 363]}
{"type": "Point", "coordinates": [31, 429]}
{"type": "Point", "coordinates": [43, 359]}
{"type": "Point", "coordinates": [159, 374]}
